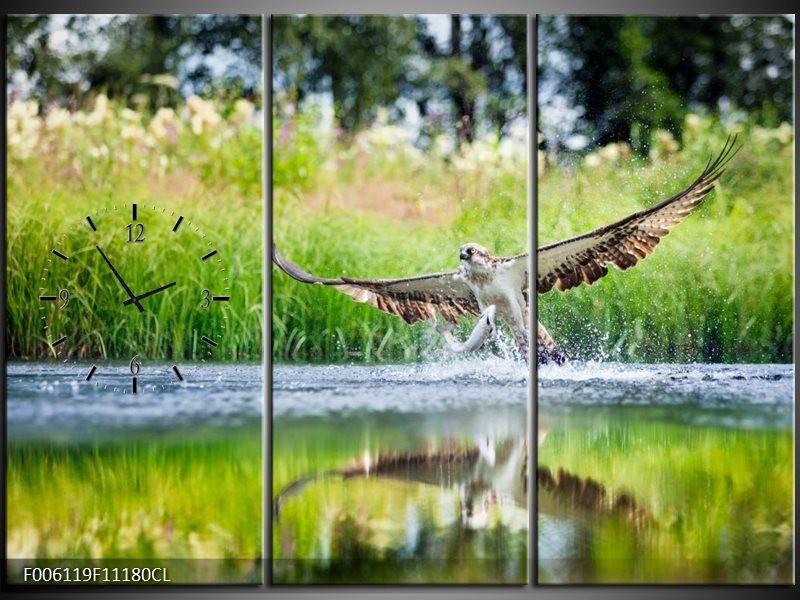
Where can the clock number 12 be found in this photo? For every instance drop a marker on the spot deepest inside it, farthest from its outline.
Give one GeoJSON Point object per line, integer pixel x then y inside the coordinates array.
{"type": "Point", "coordinates": [139, 232]}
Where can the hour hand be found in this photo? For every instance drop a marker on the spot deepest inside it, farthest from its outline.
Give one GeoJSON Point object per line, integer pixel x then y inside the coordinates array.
{"type": "Point", "coordinates": [134, 299]}
{"type": "Point", "coordinates": [146, 294]}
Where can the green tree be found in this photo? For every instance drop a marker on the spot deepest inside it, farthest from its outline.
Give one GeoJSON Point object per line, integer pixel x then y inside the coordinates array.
{"type": "Point", "coordinates": [476, 79]}
{"type": "Point", "coordinates": [364, 62]}
{"type": "Point", "coordinates": [482, 74]}
{"type": "Point", "coordinates": [626, 76]}
{"type": "Point", "coordinates": [149, 57]}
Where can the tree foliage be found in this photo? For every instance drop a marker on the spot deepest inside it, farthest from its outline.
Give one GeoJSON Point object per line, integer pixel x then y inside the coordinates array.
{"type": "Point", "coordinates": [144, 59]}
{"type": "Point", "coordinates": [361, 60]}
{"type": "Point", "coordinates": [627, 76]}
{"type": "Point", "coordinates": [476, 78]}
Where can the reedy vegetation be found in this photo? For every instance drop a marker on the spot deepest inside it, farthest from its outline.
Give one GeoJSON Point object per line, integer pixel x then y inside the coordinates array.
{"type": "Point", "coordinates": [719, 288]}
{"type": "Point", "coordinates": [200, 158]}
{"type": "Point", "coordinates": [376, 206]}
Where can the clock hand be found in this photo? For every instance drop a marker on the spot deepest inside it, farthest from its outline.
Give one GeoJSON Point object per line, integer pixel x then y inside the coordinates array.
{"type": "Point", "coordinates": [146, 294]}
{"type": "Point", "coordinates": [122, 281]}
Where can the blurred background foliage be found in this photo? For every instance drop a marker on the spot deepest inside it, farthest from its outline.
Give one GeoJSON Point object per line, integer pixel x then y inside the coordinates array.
{"type": "Point", "coordinates": [612, 78]}
{"type": "Point", "coordinates": [145, 62]}
{"type": "Point", "coordinates": [462, 74]}
{"type": "Point", "coordinates": [411, 132]}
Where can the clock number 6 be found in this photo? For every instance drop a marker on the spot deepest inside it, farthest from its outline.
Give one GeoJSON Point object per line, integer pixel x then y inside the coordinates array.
{"type": "Point", "coordinates": [135, 366]}
{"type": "Point", "coordinates": [139, 232]}
{"type": "Point", "coordinates": [206, 299]}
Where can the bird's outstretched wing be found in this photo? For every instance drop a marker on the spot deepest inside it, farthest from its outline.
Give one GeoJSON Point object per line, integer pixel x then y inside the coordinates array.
{"type": "Point", "coordinates": [584, 259]}
{"type": "Point", "coordinates": [413, 299]}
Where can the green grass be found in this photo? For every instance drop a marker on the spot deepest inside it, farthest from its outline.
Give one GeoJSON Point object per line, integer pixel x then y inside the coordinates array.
{"type": "Point", "coordinates": [373, 210]}
{"type": "Point", "coordinates": [719, 288]}
{"type": "Point", "coordinates": [157, 498]}
{"type": "Point", "coordinates": [89, 165]}
{"type": "Point", "coordinates": [720, 500]}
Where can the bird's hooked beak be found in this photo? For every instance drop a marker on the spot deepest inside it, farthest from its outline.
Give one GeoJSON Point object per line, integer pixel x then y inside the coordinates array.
{"type": "Point", "coordinates": [469, 251]}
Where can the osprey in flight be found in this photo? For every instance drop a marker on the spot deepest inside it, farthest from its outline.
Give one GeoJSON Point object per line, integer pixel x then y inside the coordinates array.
{"type": "Point", "coordinates": [483, 285]}
{"type": "Point", "coordinates": [584, 259]}
{"type": "Point", "coordinates": [491, 287]}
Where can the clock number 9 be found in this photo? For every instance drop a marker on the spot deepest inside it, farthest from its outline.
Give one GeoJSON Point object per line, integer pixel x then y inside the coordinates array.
{"type": "Point", "coordinates": [135, 366]}
{"type": "Point", "coordinates": [63, 295]}
{"type": "Point", "coordinates": [206, 299]}
{"type": "Point", "coordinates": [139, 232]}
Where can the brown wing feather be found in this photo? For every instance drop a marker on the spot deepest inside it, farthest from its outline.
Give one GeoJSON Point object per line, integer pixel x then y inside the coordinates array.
{"type": "Point", "coordinates": [413, 298]}
{"type": "Point", "coordinates": [584, 259]}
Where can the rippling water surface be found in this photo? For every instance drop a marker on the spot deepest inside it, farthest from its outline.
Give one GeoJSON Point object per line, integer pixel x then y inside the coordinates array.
{"type": "Point", "coordinates": [53, 401]}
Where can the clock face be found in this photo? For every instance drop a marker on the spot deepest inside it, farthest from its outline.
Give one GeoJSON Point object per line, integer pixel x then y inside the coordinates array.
{"type": "Point", "coordinates": [136, 296]}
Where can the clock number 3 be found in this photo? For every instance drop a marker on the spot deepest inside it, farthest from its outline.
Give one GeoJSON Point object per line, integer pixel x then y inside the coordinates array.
{"type": "Point", "coordinates": [139, 232]}
{"type": "Point", "coordinates": [206, 299]}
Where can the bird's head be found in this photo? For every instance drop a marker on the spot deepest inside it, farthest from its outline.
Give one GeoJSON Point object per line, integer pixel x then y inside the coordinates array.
{"type": "Point", "coordinates": [473, 254]}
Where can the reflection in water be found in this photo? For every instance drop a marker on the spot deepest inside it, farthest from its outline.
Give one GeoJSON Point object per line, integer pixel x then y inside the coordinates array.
{"type": "Point", "coordinates": [400, 474]}
{"type": "Point", "coordinates": [705, 450]}
{"type": "Point", "coordinates": [170, 477]}
{"type": "Point", "coordinates": [487, 474]}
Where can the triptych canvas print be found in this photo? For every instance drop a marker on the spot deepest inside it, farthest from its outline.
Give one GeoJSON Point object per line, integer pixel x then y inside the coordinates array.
{"type": "Point", "coordinates": [272, 323]}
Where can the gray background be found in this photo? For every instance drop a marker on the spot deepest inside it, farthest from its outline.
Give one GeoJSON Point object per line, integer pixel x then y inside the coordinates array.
{"type": "Point", "coordinates": [531, 8]}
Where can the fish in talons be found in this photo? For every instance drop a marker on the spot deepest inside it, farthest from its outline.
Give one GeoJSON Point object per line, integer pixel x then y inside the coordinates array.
{"type": "Point", "coordinates": [484, 329]}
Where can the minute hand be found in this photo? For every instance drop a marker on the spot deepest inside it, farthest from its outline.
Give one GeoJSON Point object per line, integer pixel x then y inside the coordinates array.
{"type": "Point", "coordinates": [134, 300]}
{"type": "Point", "coordinates": [146, 294]}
